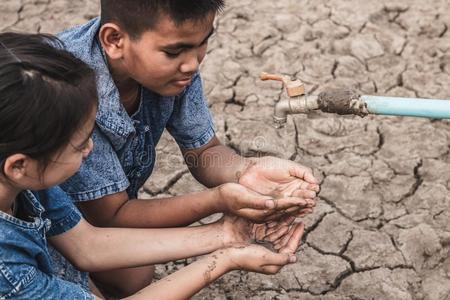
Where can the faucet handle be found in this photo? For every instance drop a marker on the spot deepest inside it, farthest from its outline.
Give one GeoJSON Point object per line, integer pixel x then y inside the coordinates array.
{"type": "Point", "coordinates": [294, 88]}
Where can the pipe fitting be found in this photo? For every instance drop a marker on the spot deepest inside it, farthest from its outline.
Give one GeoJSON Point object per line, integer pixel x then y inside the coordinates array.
{"type": "Point", "coordinates": [298, 105]}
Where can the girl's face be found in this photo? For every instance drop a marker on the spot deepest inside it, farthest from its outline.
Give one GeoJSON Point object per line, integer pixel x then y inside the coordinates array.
{"type": "Point", "coordinates": [65, 163]}
{"type": "Point", "coordinates": [68, 161]}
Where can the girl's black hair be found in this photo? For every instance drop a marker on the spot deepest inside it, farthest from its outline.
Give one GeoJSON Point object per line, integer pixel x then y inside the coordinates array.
{"type": "Point", "coordinates": [46, 95]}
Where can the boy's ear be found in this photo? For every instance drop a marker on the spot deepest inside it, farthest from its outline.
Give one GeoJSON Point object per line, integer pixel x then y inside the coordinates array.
{"type": "Point", "coordinates": [112, 38]}
{"type": "Point", "coordinates": [15, 167]}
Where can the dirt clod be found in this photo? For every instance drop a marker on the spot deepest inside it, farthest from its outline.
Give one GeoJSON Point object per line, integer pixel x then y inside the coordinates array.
{"type": "Point", "coordinates": [342, 102]}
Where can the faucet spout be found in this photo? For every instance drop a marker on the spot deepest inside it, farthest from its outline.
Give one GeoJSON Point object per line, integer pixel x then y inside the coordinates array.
{"type": "Point", "coordinates": [298, 105]}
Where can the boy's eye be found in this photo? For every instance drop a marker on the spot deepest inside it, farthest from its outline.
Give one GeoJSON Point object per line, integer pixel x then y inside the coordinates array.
{"type": "Point", "coordinates": [205, 42]}
{"type": "Point", "coordinates": [172, 54]}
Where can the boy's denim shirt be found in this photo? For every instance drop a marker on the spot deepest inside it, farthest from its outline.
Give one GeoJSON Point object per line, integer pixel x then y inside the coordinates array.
{"type": "Point", "coordinates": [123, 156]}
{"type": "Point", "coordinates": [26, 270]}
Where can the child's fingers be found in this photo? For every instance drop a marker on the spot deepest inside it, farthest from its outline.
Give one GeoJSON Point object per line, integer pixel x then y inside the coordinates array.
{"type": "Point", "coordinates": [255, 215]}
{"type": "Point", "coordinates": [287, 220]}
{"type": "Point", "coordinates": [288, 202]}
{"type": "Point", "coordinates": [259, 203]}
{"type": "Point", "coordinates": [295, 212]}
{"type": "Point", "coordinates": [292, 211]}
{"type": "Point", "coordinates": [306, 186]}
{"type": "Point", "coordinates": [273, 226]}
{"type": "Point", "coordinates": [313, 187]}
{"type": "Point", "coordinates": [260, 232]}
{"type": "Point", "coordinates": [303, 212]}
{"type": "Point", "coordinates": [275, 268]}
{"type": "Point", "coordinates": [312, 201]}
{"type": "Point", "coordinates": [270, 270]}
{"type": "Point", "coordinates": [278, 259]}
{"type": "Point", "coordinates": [277, 216]}
{"type": "Point", "coordinates": [303, 193]}
{"type": "Point", "coordinates": [289, 237]}
{"type": "Point", "coordinates": [269, 216]}
{"type": "Point", "coordinates": [301, 188]}
{"type": "Point", "coordinates": [278, 228]}
{"type": "Point", "coordinates": [282, 242]}
{"type": "Point", "coordinates": [275, 229]}
{"type": "Point", "coordinates": [303, 172]}
{"type": "Point", "coordinates": [294, 242]}
{"type": "Point", "coordinates": [272, 237]}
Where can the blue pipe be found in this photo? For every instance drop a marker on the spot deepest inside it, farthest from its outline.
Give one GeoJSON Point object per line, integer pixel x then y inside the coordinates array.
{"type": "Point", "coordinates": [414, 107]}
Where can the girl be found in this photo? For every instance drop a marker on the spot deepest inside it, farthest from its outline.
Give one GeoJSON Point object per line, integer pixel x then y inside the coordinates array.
{"type": "Point", "coordinates": [48, 104]}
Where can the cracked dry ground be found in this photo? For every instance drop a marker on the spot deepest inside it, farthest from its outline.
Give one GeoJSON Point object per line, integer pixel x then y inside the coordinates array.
{"type": "Point", "coordinates": [381, 229]}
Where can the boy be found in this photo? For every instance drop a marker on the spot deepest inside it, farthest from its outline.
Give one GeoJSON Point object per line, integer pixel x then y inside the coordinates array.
{"type": "Point", "coordinates": [146, 54]}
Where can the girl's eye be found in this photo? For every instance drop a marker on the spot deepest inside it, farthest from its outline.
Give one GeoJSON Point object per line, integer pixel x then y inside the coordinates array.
{"type": "Point", "coordinates": [83, 147]}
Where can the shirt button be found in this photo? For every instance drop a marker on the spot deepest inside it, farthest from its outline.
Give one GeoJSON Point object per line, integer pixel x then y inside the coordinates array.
{"type": "Point", "coordinates": [48, 224]}
{"type": "Point", "coordinates": [146, 128]}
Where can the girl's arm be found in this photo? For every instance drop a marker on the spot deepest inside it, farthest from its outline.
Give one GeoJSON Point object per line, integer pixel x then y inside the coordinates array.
{"type": "Point", "coordinates": [186, 282]}
{"type": "Point", "coordinates": [189, 280]}
{"type": "Point", "coordinates": [94, 249]}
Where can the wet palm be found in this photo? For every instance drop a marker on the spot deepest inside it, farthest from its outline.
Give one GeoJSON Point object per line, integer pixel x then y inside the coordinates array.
{"type": "Point", "coordinates": [277, 177]}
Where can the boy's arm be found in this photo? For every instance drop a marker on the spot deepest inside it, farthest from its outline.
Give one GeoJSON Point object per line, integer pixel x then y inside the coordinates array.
{"type": "Point", "coordinates": [214, 164]}
{"type": "Point", "coordinates": [117, 210]}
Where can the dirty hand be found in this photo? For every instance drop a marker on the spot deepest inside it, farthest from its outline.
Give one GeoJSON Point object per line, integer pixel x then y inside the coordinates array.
{"type": "Point", "coordinates": [290, 242]}
{"type": "Point", "coordinates": [240, 201]}
{"type": "Point", "coordinates": [276, 177]}
{"type": "Point", "coordinates": [256, 258]}
{"type": "Point", "coordinates": [237, 230]}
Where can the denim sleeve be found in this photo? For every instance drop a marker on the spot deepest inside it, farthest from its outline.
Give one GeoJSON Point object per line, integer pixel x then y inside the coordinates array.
{"type": "Point", "coordinates": [191, 123]}
{"type": "Point", "coordinates": [59, 209]}
{"type": "Point", "coordinates": [100, 174]}
{"type": "Point", "coordinates": [35, 284]}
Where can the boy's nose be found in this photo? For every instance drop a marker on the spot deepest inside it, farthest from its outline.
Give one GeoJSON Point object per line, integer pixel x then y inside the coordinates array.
{"type": "Point", "coordinates": [191, 64]}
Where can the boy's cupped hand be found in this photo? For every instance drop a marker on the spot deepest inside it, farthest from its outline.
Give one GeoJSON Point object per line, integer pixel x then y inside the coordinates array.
{"type": "Point", "coordinates": [240, 201]}
{"type": "Point", "coordinates": [277, 177]}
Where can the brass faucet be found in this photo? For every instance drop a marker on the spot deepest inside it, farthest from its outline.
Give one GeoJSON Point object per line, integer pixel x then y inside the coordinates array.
{"type": "Point", "coordinates": [296, 102]}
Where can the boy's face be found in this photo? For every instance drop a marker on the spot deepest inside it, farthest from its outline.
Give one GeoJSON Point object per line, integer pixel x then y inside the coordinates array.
{"type": "Point", "coordinates": [165, 58]}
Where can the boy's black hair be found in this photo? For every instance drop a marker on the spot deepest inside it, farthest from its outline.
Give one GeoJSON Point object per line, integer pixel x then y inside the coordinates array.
{"type": "Point", "coordinates": [137, 16]}
{"type": "Point", "coordinates": [46, 95]}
